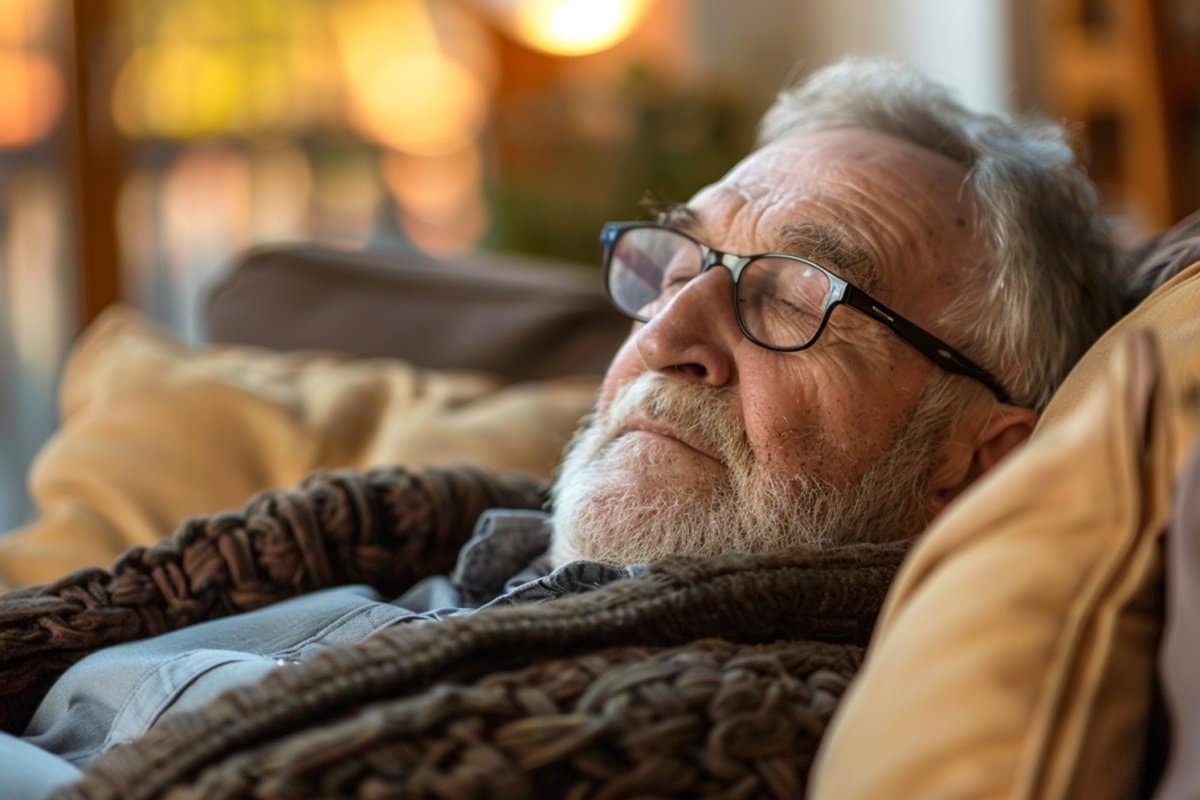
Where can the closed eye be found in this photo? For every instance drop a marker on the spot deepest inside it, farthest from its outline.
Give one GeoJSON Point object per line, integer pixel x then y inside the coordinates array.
{"type": "Point", "coordinates": [676, 278]}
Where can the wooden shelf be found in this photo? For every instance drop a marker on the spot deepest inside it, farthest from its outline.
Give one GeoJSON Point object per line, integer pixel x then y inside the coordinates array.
{"type": "Point", "coordinates": [1106, 59]}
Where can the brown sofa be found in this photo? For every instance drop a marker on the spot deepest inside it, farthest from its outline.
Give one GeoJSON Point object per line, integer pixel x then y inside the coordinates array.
{"type": "Point", "coordinates": [520, 318]}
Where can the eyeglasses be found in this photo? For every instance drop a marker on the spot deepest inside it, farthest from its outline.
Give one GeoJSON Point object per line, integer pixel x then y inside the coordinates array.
{"type": "Point", "coordinates": [782, 302]}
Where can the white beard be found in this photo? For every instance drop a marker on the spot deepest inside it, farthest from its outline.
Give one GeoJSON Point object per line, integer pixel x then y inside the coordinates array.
{"type": "Point", "coordinates": [614, 500]}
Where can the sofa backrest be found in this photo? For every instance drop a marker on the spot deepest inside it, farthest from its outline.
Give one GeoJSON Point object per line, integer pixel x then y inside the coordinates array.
{"type": "Point", "coordinates": [518, 318]}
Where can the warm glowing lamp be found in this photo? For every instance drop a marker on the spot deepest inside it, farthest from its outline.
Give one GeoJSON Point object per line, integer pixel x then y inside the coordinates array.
{"type": "Point", "coordinates": [568, 27]}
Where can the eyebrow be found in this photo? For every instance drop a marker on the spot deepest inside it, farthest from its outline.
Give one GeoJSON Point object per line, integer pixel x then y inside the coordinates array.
{"type": "Point", "coordinates": [829, 245]}
{"type": "Point", "coordinates": [832, 246]}
{"type": "Point", "coordinates": [674, 215]}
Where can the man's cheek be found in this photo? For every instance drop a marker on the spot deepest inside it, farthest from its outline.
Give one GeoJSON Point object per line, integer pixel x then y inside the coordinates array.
{"type": "Point", "coordinates": [792, 442]}
{"type": "Point", "coordinates": [783, 409]}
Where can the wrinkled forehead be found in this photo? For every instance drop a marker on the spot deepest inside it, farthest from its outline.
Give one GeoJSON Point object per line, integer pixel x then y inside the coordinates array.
{"type": "Point", "coordinates": [864, 203]}
{"type": "Point", "coordinates": [830, 153]}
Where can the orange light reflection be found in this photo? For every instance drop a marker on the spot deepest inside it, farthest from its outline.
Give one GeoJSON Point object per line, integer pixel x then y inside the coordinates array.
{"type": "Point", "coordinates": [32, 100]}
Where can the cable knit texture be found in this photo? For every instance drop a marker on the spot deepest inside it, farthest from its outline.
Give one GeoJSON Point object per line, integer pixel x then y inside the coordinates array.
{"type": "Point", "coordinates": [703, 677]}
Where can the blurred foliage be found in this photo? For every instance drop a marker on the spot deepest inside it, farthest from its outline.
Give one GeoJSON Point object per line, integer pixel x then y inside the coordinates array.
{"type": "Point", "coordinates": [556, 176]}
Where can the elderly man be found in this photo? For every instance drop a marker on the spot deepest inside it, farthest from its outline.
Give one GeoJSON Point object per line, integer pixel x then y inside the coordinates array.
{"type": "Point", "coordinates": [831, 343]}
{"type": "Point", "coordinates": [838, 337]}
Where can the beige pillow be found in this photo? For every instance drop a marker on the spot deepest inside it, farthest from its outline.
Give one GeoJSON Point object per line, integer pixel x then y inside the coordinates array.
{"type": "Point", "coordinates": [154, 432]}
{"type": "Point", "coordinates": [1015, 656]}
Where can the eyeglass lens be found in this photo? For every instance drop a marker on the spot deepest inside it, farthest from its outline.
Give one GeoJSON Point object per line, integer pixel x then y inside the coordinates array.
{"type": "Point", "coordinates": [780, 301]}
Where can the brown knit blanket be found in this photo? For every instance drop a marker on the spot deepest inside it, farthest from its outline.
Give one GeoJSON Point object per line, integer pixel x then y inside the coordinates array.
{"type": "Point", "coordinates": [704, 677]}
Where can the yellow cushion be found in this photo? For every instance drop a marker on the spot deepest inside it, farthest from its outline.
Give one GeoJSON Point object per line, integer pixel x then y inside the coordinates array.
{"type": "Point", "coordinates": [154, 432]}
{"type": "Point", "coordinates": [1015, 656]}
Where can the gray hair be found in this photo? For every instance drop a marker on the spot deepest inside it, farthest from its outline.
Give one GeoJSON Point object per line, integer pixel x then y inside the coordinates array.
{"type": "Point", "coordinates": [1049, 286]}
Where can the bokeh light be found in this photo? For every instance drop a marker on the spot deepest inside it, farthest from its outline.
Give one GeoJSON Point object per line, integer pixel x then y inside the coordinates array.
{"type": "Point", "coordinates": [404, 90]}
{"type": "Point", "coordinates": [205, 201]}
{"type": "Point", "coordinates": [281, 184]}
{"type": "Point", "coordinates": [32, 100]}
{"type": "Point", "coordinates": [421, 103]}
{"type": "Point", "coordinates": [39, 310]}
{"type": "Point", "coordinates": [346, 197]}
{"type": "Point", "coordinates": [25, 21]}
{"type": "Point", "coordinates": [178, 91]}
{"type": "Point", "coordinates": [441, 207]}
{"type": "Point", "coordinates": [199, 69]}
{"type": "Point", "coordinates": [569, 27]}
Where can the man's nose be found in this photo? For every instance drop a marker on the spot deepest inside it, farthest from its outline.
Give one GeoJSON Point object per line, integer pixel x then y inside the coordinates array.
{"type": "Point", "coordinates": [694, 336]}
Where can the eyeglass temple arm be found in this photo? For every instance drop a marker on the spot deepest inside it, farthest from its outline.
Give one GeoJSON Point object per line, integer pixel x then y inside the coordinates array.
{"type": "Point", "coordinates": [926, 343]}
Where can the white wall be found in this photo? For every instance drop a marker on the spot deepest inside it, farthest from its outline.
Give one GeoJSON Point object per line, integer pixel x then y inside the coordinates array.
{"type": "Point", "coordinates": [964, 44]}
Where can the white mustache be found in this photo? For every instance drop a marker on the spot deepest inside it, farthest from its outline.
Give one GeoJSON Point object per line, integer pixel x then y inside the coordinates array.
{"type": "Point", "coordinates": [704, 415]}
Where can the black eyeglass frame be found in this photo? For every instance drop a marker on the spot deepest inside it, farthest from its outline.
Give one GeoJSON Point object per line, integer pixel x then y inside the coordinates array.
{"type": "Point", "coordinates": [841, 291]}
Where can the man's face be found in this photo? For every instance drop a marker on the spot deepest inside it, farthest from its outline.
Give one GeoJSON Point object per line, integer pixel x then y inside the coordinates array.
{"type": "Point", "coordinates": [704, 442]}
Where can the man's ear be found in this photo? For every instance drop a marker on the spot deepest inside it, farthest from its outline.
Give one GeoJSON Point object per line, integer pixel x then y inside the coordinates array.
{"type": "Point", "coordinates": [973, 451]}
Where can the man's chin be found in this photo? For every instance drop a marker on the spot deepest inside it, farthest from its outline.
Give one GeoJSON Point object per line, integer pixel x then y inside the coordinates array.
{"type": "Point", "coordinates": [639, 498]}
{"type": "Point", "coordinates": [629, 523]}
